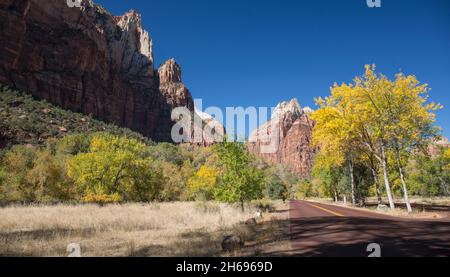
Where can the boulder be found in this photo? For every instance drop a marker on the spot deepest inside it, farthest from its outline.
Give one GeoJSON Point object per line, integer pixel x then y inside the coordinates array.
{"type": "Point", "coordinates": [251, 222]}
{"type": "Point", "coordinates": [232, 243]}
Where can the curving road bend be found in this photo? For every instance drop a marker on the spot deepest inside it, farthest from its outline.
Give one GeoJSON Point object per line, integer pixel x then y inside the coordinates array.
{"type": "Point", "coordinates": [319, 230]}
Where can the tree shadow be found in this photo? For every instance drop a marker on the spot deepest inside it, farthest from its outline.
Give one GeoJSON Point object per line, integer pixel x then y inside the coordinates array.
{"type": "Point", "coordinates": [349, 237]}
{"type": "Point", "coordinates": [418, 207]}
{"type": "Point", "coordinates": [46, 234]}
{"type": "Point", "coordinates": [319, 237]}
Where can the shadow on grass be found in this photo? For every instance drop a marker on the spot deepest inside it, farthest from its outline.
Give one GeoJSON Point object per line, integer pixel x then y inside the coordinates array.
{"type": "Point", "coordinates": [198, 243]}
{"type": "Point", "coordinates": [298, 237]}
{"type": "Point", "coordinates": [321, 237]}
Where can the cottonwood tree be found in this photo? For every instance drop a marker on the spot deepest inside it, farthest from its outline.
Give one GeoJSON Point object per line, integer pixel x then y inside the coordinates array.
{"type": "Point", "coordinates": [334, 136]}
{"type": "Point", "coordinates": [397, 116]}
{"type": "Point", "coordinates": [115, 169]}
{"type": "Point", "coordinates": [377, 115]}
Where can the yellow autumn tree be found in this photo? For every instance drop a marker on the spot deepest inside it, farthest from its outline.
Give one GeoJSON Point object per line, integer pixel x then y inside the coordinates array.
{"type": "Point", "coordinates": [447, 156]}
{"type": "Point", "coordinates": [374, 115]}
{"type": "Point", "coordinates": [115, 169]}
{"type": "Point", "coordinates": [334, 133]}
{"type": "Point", "coordinates": [203, 183]}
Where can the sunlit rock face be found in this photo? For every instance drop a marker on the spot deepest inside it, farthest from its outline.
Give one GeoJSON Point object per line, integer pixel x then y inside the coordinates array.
{"type": "Point", "coordinates": [86, 60]}
{"type": "Point", "coordinates": [292, 128]}
{"type": "Point", "coordinates": [172, 87]}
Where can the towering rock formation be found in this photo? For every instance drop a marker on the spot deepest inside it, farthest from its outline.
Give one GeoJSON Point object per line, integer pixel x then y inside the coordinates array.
{"type": "Point", "coordinates": [89, 61]}
{"type": "Point", "coordinates": [172, 87]}
{"type": "Point", "coordinates": [289, 133]}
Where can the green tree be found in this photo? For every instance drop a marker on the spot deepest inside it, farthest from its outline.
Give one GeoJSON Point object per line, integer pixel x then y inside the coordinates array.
{"type": "Point", "coordinates": [429, 176]}
{"type": "Point", "coordinates": [48, 176]}
{"type": "Point", "coordinates": [16, 163]}
{"type": "Point", "coordinates": [240, 181]}
{"type": "Point", "coordinates": [276, 189]}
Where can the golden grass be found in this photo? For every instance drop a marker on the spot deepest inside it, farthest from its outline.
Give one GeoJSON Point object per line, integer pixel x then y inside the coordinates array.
{"type": "Point", "coordinates": [160, 229]}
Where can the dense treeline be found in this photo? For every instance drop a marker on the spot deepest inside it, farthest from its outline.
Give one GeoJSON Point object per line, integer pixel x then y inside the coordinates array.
{"type": "Point", "coordinates": [373, 136]}
{"type": "Point", "coordinates": [107, 168]}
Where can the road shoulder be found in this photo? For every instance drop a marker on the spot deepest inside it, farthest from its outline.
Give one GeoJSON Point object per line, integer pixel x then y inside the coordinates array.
{"type": "Point", "coordinates": [396, 214]}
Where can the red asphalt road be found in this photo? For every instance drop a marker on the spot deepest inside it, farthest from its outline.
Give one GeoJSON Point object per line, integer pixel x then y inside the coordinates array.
{"type": "Point", "coordinates": [334, 231]}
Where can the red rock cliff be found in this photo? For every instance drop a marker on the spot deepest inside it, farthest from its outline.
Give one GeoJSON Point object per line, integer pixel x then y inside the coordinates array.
{"type": "Point", "coordinates": [294, 128]}
{"type": "Point", "coordinates": [89, 61]}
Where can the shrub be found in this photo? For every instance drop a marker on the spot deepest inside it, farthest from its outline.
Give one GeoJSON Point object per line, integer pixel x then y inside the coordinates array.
{"type": "Point", "coordinates": [276, 189]}
{"type": "Point", "coordinates": [73, 144]}
{"type": "Point", "coordinates": [174, 180]}
{"type": "Point", "coordinates": [102, 198]}
{"type": "Point", "coordinates": [168, 153]}
{"type": "Point", "coordinates": [265, 205]}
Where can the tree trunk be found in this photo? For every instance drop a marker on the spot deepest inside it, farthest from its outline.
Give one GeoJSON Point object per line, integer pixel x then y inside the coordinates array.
{"type": "Point", "coordinates": [335, 196]}
{"type": "Point", "coordinates": [386, 177]}
{"type": "Point", "coordinates": [352, 181]}
{"type": "Point", "coordinates": [402, 177]}
{"type": "Point", "coordinates": [377, 184]}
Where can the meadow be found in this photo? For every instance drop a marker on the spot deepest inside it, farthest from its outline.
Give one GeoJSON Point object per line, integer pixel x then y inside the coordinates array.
{"type": "Point", "coordinates": [158, 229]}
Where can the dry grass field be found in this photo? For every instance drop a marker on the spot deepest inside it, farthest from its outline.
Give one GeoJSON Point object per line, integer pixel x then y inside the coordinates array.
{"type": "Point", "coordinates": [166, 229]}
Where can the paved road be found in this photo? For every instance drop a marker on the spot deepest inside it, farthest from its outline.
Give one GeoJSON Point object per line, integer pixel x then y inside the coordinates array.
{"type": "Point", "coordinates": [332, 231]}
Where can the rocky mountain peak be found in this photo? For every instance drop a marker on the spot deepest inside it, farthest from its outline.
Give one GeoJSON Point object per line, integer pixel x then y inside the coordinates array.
{"type": "Point", "coordinates": [170, 72]}
{"type": "Point", "coordinates": [291, 128]}
{"type": "Point", "coordinates": [308, 110]}
{"type": "Point", "coordinates": [133, 46]}
{"type": "Point", "coordinates": [288, 108]}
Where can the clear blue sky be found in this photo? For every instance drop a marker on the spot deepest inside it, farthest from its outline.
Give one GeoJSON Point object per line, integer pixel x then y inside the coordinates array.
{"type": "Point", "coordinates": [260, 52]}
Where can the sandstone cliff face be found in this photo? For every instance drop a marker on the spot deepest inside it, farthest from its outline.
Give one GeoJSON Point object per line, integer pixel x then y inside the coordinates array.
{"type": "Point", "coordinates": [172, 87]}
{"type": "Point", "coordinates": [88, 61]}
{"type": "Point", "coordinates": [294, 128]}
